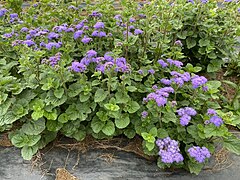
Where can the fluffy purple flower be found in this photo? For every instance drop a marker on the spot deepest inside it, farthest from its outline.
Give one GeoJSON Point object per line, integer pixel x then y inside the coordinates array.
{"type": "Point", "coordinates": [191, 1]}
{"type": "Point", "coordinates": [50, 45]}
{"type": "Point", "coordinates": [131, 27]}
{"type": "Point", "coordinates": [99, 25]}
{"type": "Point", "coordinates": [239, 10]}
{"type": "Point", "coordinates": [144, 114]}
{"type": "Point", "coordinates": [125, 33]}
{"type": "Point", "coordinates": [151, 71]}
{"type": "Point", "coordinates": [142, 16]}
{"type": "Point", "coordinates": [138, 31]}
{"type": "Point", "coordinates": [80, 25]}
{"type": "Point", "coordinates": [185, 119]}
{"type": "Point", "coordinates": [91, 53]}
{"type": "Point", "coordinates": [78, 67]}
{"type": "Point", "coordinates": [199, 154]}
{"type": "Point", "coordinates": [217, 121]}
{"type": "Point", "coordinates": [175, 63]}
{"type": "Point", "coordinates": [8, 35]}
{"type": "Point", "coordinates": [118, 17]}
{"type": "Point", "coordinates": [3, 12]}
{"type": "Point", "coordinates": [227, 1]}
{"type": "Point", "coordinates": [179, 81]}
{"type": "Point", "coordinates": [95, 14]}
{"type": "Point", "coordinates": [95, 33]}
{"type": "Point", "coordinates": [78, 34]}
{"type": "Point", "coordinates": [108, 57]}
{"type": "Point", "coordinates": [14, 15]}
{"type": "Point", "coordinates": [169, 150]}
{"type": "Point", "coordinates": [204, 1]}
{"type": "Point", "coordinates": [86, 40]}
{"type": "Point", "coordinates": [198, 81]}
{"type": "Point", "coordinates": [140, 71]}
{"type": "Point", "coordinates": [72, 7]}
{"type": "Point", "coordinates": [28, 43]}
{"type": "Point", "coordinates": [53, 35]}
{"type": "Point", "coordinates": [69, 30]}
{"type": "Point", "coordinates": [102, 34]}
{"type": "Point", "coordinates": [162, 63]}
{"type": "Point", "coordinates": [205, 88]}
{"type": "Point", "coordinates": [54, 59]}
{"type": "Point", "coordinates": [24, 29]}
{"type": "Point", "coordinates": [178, 43]}
{"type": "Point", "coordinates": [131, 20]}
{"type": "Point", "coordinates": [211, 112]}
{"type": "Point", "coordinates": [166, 81]}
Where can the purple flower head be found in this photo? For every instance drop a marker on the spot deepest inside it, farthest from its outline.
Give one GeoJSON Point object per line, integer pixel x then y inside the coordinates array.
{"type": "Point", "coordinates": [80, 25]}
{"type": "Point", "coordinates": [198, 81]}
{"type": "Point", "coordinates": [162, 63]}
{"type": "Point", "coordinates": [131, 20]}
{"type": "Point", "coordinates": [178, 43]}
{"type": "Point", "coordinates": [207, 122]}
{"type": "Point", "coordinates": [190, 111]}
{"type": "Point", "coordinates": [54, 59]}
{"type": "Point", "coordinates": [91, 53]}
{"type": "Point", "coordinates": [14, 15]}
{"type": "Point", "coordinates": [143, 16]}
{"type": "Point", "coordinates": [101, 68]}
{"type": "Point", "coordinates": [186, 76]}
{"type": "Point", "coordinates": [95, 33]}
{"type": "Point", "coordinates": [161, 101]}
{"type": "Point", "coordinates": [24, 29]}
{"type": "Point", "coordinates": [151, 71]}
{"type": "Point", "coordinates": [140, 71]}
{"type": "Point", "coordinates": [108, 57]}
{"type": "Point", "coordinates": [205, 88]}
{"type": "Point", "coordinates": [86, 40]}
{"type": "Point", "coordinates": [95, 14]}
{"type": "Point", "coordinates": [78, 67]}
{"type": "Point", "coordinates": [42, 44]}
{"type": "Point", "coordinates": [131, 27]}
{"type": "Point", "coordinates": [185, 119]}
{"type": "Point", "coordinates": [199, 154]}
{"type": "Point", "coordinates": [28, 43]}
{"type": "Point", "coordinates": [78, 34]}
{"type": "Point", "coordinates": [204, 1]}
{"type": "Point", "coordinates": [85, 28]}
{"type": "Point", "coordinates": [99, 25]}
{"type": "Point", "coordinates": [28, 36]}
{"type": "Point", "coordinates": [179, 81]}
{"type": "Point", "coordinates": [69, 29]}
{"type": "Point", "coordinates": [118, 17]}
{"type": "Point", "coordinates": [217, 121]}
{"type": "Point", "coordinates": [154, 87]}
{"type": "Point", "coordinates": [3, 12]}
{"type": "Point", "coordinates": [239, 10]}
{"type": "Point", "coordinates": [144, 114]}
{"type": "Point", "coordinates": [169, 151]}
{"type": "Point", "coordinates": [8, 35]}
{"type": "Point", "coordinates": [138, 31]}
{"type": "Point", "coordinates": [72, 7]}
{"type": "Point", "coordinates": [53, 35]}
{"type": "Point", "coordinates": [50, 45]}
{"type": "Point", "coordinates": [102, 34]}
{"type": "Point", "coordinates": [227, 1]}
{"type": "Point", "coordinates": [211, 112]}
{"type": "Point", "coordinates": [166, 81]}
{"type": "Point", "coordinates": [191, 1]}
{"type": "Point", "coordinates": [86, 61]}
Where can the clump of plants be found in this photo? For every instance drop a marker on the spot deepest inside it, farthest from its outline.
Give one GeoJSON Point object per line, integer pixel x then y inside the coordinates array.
{"type": "Point", "coordinates": [92, 70]}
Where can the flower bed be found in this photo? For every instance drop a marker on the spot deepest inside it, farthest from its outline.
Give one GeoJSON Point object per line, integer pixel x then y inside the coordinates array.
{"type": "Point", "coordinates": [95, 71]}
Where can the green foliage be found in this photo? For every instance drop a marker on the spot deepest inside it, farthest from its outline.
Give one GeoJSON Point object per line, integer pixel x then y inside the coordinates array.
{"type": "Point", "coordinates": [44, 93]}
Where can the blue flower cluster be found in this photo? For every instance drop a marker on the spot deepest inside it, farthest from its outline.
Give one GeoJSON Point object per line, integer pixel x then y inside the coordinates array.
{"type": "Point", "coordinates": [185, 115]}
{"type": "Point", "coordinates": [214, 119]}
{"type": "Point", "coordinates": [199, 154]}
{"type": "Point", "coordinates": [159, 96]}
{"type": "Point", "coordinates": [169, 150]}
{"type": "Point", "coordinates": [102, 63]}
{"type": "Point", "coordinates": [52, 60]}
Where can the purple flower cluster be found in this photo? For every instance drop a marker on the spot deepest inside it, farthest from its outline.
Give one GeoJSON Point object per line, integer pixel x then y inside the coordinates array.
{"type": "Point", "coordinates": [51, 45]}
{"type": "Point", "coordinates": [95, 14]}
{"type": "Point", "coordinates": [144, 114]}
{"type": "Point", "coordinates": [3, 12]}
{"type": "Point", "coordinates": [159, 96]}
{"type": "Point", "coordinates": [99, 34]}
{"type": "Point", "coordinates": [198, 81]}
{"type": "Point", "coordinates": [78, 67]}
{"type": "Point", "coordinates": [169, 150]}
{"type": "Point", "coordinates": [29, 43]}
{"type": "Point", "coordinates": [53, 60]}
{"type": "Point", "coordinates": [185, 115]}
{"type": "Point", "coordinates": [53, 35]}
{"type": "Point", "coordinates": [99, 25]}
{"type": "Point", "coordinates": [170, 62]}
{"type": "Point", "coordinates": [199, 154]}
{"type": "Point", "coordinates": [214, 119]}
{"type": "Point", "coordinates": [179, 78]}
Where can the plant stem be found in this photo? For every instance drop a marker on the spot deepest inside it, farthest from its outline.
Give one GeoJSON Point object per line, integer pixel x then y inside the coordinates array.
{"type": "Point", "coordinates": [127, 44]}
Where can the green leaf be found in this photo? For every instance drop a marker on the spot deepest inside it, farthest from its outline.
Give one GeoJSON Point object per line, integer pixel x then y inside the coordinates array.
{"type": "Point", "coordinates": [123, 121]}
{"type": "Point", "coordinates": [21, 140]}
{"type": "Point", "coordinates": [182, 34]}
{"type": "Point", "coordinates": [111, 107]}
{"type": "Point", "coordinates": [232, 144]}
{"type": "Point", "coordinates": [102, 115]}
{"type": "Point", "coordinates": [169, 117]}
{"type": "Point", "coordinates": [130, 133]}
{"type": "Point", "coordinates": [203, 42]}
{"type": "Point", "coordinates": [63, 118]}
{"type": "Point", "coordinates": [131, 88]}
{"type": "Point", "coordinates": [59, 92]}
{"type": "Point", "coordinates": [51, 115]}
{"type": "Point", "coordinates": [100, 95]}
{"type": "Point", "coordinates": [133, 107]}
{"type": "Point", "coordinates": [191, 42]}
{"type": "Point", "coordinates": [46, 138]}
{"type": "Point", "coordinates": [232, 84]}
{"type": "Point", "coordinates": [34, 127]}
{"type": "Point", "coordinates": [37, 114]}
{"type": "Point", "coordinates": [79, 135]}
{"type": "Point", "coordinates": [75, 89]}
{"type": "Point", "coordinates": [109, 128]}
{"type": "Point", "coordinates": [97, 125]}
{"type": "Point", "coordinates": [122, 97]}
{"type": "Point", "coordinates": [195, 167]}
{"type": "Point", "coordinates": [162, 133]}
{"type": "Point", "coordinates": [54, 126]}
{"type": "Point", "coordinates": [150, 146]}
{"type": "Point", "coordinates": [153, 131]}
{"type": "Point", "coordinates": [28, 152]}
{"type": "Point", "coordinates": [83, 97]}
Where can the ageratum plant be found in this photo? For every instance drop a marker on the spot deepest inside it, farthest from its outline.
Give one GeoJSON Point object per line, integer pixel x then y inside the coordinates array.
{"type": "Point", "coordinates": [92, 70]}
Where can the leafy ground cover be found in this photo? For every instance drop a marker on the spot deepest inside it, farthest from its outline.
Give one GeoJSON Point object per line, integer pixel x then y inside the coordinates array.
{"type": "Point", "coordinates": [90, 70]}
